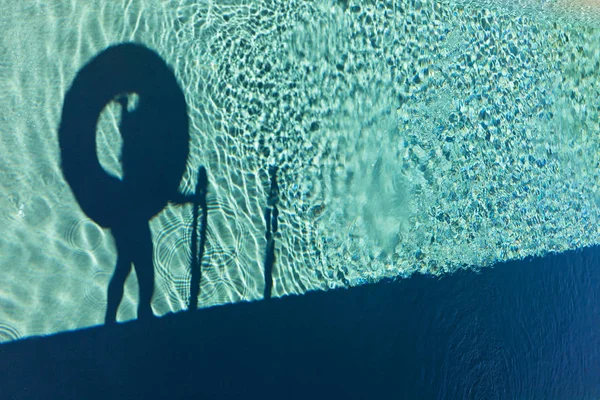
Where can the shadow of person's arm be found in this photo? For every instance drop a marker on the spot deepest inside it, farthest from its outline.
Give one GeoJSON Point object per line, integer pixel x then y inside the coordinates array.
{"type": "Point", "coordinates": [180, 199]}
{"type": "Point", "coordinates": [201, 188]}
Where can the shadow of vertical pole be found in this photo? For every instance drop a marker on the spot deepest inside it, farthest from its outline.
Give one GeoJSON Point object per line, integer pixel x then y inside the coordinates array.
{"type": "Point", "coordinates": [271, 214]}
{"type": "Point", "coordinates": [200, 201]}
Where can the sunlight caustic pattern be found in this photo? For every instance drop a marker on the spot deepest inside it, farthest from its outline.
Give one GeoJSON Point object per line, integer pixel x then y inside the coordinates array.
{"type": "Point", "coordinates": [409, 135]}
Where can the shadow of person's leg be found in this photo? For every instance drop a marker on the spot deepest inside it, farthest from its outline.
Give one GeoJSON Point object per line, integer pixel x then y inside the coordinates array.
{"type": "Point", "coordinates": [144, 269]}
{"type": "Point", "coordinates": [117, 282]}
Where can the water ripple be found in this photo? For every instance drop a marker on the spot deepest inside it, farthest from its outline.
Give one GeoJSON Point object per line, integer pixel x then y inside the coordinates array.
{"type": "Point", "coordinates": [94, 295]}
{"type": "Point", "coordinates": [83, 234]}
{"type": "Point", "coordinates": [8, 333]}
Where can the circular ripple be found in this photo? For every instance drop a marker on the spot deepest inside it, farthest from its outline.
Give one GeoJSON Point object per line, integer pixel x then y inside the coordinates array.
{"type": "Point", "coordinates": [173, 245]}
{"type": "Point", "coordinates": [229, 244]}
{"type": "Point", "coordinates": [48, 174]}
{"type": "Point", "coordinates": [8, 333]}
{"type": "Point", "coordinates": [175, 292]}
{"type": "Point", "coordinates": [236, 274]}
{"type": "Point", "coordinates": [37, 212]}
{"type": "Point", "coordinates": [127, 311]}
{"type": "Point", "coordinates": [173, 255]}
{"type": "Point", "coordinates": [211, 273]}
{"type": "Point", "coordinates": [81, 259]}
{"type": "Point", "coordinates": [84, 234]}
{"type": "Point", "coordinates": [225, 292]}
{"type": "Point", "coordinates": [94, 295]}
{"type": "Point", "coordinates": [224, 276]}
{"type": "Point", "coordinates": [215, 292]}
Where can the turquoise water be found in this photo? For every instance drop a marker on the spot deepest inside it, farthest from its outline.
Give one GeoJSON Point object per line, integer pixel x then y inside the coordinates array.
{"type": "Point", "coordinates": [410, 136]}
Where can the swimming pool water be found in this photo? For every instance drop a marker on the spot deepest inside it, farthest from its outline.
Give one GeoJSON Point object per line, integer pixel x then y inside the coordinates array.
{"type": "Point", "coordinates": [409, 136]}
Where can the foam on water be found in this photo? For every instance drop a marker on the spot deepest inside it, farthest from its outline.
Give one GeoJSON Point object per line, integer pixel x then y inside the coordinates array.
{"type": "Point", "coordinates": [410, 136]}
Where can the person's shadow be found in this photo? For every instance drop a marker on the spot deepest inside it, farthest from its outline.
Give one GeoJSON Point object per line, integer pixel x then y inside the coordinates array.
{"type": "Point", "coordinates": [154, 155]}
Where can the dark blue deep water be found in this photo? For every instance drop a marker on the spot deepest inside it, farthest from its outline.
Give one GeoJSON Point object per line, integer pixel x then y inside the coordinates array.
{"type": "Point", "coordinates": [520, 330]}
